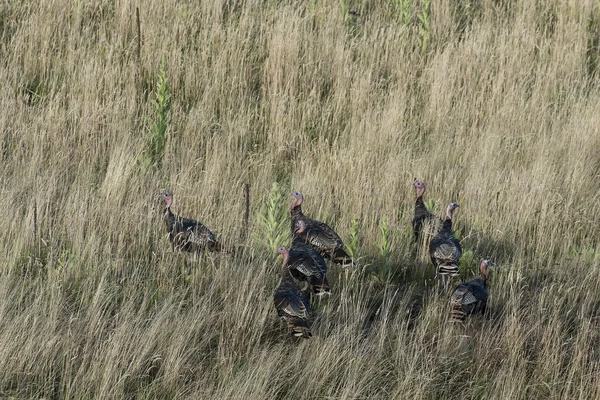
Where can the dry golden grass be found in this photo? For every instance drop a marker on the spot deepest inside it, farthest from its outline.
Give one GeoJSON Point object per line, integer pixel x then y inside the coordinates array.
{"type": "Point", "coordinates": [497, 110]}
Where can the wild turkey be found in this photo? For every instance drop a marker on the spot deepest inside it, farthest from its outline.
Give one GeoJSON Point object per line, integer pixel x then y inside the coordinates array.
{"type": "Point", "coordinates": [424, 221]}
{"type": "Point", "coordinates": [444, 249]}
{"type": "Point", "coordinates": [318, 234]}
{"type": "Point", "coordinates": [470, 297]}
{"type": "Point", "coordinates": [187, 234]}
{"type": "Point", "coordinates": [291, 303]}
{"type": "Point", "coordinates": [306, 264]}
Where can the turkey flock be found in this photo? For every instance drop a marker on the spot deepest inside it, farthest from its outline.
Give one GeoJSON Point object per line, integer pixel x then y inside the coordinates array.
{"type": "Point", "coordinates": [314, 241]}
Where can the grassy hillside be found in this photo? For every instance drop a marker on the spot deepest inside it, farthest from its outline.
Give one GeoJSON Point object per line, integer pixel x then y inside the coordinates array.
{"type": "Point", "coordinates": [493, 103]}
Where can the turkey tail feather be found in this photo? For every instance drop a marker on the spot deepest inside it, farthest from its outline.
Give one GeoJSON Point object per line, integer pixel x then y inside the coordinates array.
{"type": "Point", "coordinates": [458, 314]}
{"type": "Point", "coordinates": [299, 328]}
{"type": "Point", "coordinates": [448, 269]}
{"type": "Point", "coordinates": [340, 256]}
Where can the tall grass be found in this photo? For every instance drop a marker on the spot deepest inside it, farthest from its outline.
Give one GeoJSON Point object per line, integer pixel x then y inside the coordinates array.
{"type": "Point", "coordinates": [498, 111]}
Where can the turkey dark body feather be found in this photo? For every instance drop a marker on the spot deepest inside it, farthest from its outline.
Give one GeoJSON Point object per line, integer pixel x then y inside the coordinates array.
{"type": "Point", "coordinates": [306, 264]}
{"type": "Point", "coordinates": [187, 234]}
{"type": "Point", "coordinates": [291, 303]}
{"type": "Point", "coordinates": [470, 297]}
{"type": "Point", "coordinates": [444, 248]}
{"type": "Point", "coordinates": [319, 235]}
{"type": "Point", "coordinates": [425, 224]}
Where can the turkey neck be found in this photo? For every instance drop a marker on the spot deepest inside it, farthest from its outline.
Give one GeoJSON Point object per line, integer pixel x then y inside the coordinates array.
{"type": "Point", "coordinates": [297, 239]}
{"type": "Point", "coordinates": [286, 276]}
{"type": "Point", "coordinates": [447, 223]}
{"type": "Point", "coordinates": [482, 280]}
{"type": "Point", "coordinates": [419, 204]}
{"type": "Point", "coordinates": [296, 212]}
{"type": "Point", "coordinates": [168, 215]}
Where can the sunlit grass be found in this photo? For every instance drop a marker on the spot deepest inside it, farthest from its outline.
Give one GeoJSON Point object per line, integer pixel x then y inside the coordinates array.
{"type": "Point", "coordinates": [493, 104]}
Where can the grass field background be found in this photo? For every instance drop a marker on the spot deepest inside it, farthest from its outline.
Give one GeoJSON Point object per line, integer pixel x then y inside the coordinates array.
{"type": "Point", "coordinates": [494, 104]}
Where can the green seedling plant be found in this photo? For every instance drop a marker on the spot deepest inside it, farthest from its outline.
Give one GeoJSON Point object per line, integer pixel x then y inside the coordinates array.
{"type": "Point", "coordinates": [402, 9]}
{"type": "Point", "coordinates": [467, 260]}
{"type": "Point", "coordinates": [424, 24]}
{"type": "Point", "coordinates": [273, 219]}
{"type": "Point", "coordinates": [430, 204]}
{"type": "Point", "coordinates": [157, 140]}
{"type": "Point", "coordinates": [354, 242]}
